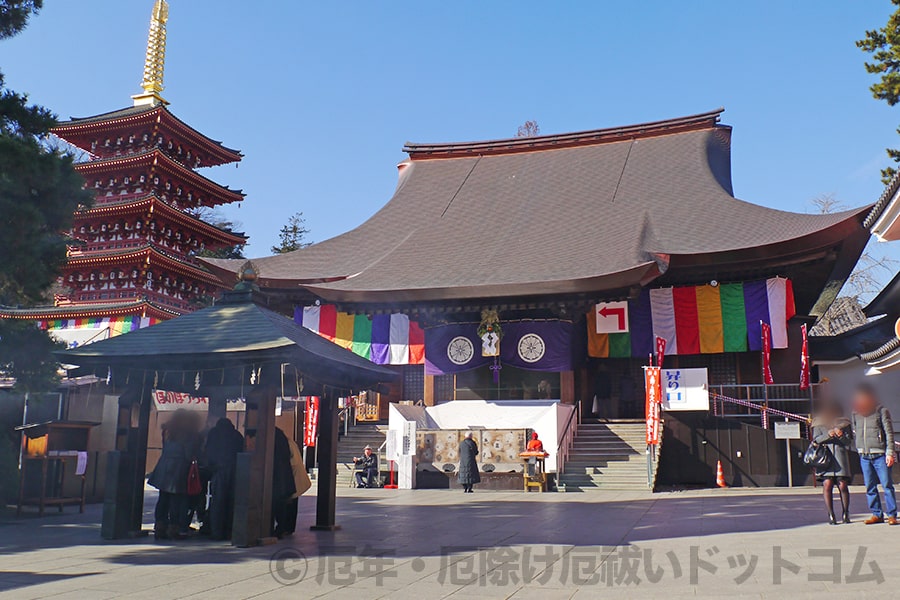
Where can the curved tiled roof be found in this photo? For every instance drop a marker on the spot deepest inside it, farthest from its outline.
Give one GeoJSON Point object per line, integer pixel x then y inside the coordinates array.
{"type": "Point", "coordinates": [607, 211]}
{"type": "Point", "coordinates": [218, 153]}
{"type": "Point", "coordinates": [68, 311]}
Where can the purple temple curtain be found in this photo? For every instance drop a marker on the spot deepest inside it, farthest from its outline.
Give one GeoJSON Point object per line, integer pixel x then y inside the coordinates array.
{"type": "Point", "coordinates": [549, 347]}
{"type": "Point", "coordinates": [640, 324]}
{"type": "Point", "coordinates": [381, 339]}
{"type": "Point", "coordinates": [438, 352]}
{"type": "Point", "coordinates": [756, 304]}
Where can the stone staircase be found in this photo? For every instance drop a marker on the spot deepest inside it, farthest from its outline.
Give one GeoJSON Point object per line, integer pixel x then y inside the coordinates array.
{"type": "Point", "coordinates": [607, 456]}
{"type": "Point", "coordinates": [352, 444]}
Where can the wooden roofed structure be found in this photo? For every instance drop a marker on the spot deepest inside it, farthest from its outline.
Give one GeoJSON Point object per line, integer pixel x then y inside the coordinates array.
{"type": "Point", "coordinates": [235, 349]}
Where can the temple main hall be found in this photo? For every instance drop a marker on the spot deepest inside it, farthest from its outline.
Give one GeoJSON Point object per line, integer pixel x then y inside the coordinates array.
{"type": "Point", "coordinates": [544, 236]}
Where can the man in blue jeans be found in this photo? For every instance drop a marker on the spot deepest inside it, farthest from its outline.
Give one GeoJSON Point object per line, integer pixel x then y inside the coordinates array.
{"type": "Point", "coordinates": [874, 434]}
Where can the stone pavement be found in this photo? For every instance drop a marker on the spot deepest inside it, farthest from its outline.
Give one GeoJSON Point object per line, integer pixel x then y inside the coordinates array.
{"type": "Point", "coordinates": [753, 543]}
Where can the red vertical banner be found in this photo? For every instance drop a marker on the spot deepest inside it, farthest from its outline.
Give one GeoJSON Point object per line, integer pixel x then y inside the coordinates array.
{"type": "Point", "coordinates": [660, 351]}
{"type": "Point", "coordinates": [311, 421]}
{"type": "Point", "coordinates": [766, 331]}
{"type": "Point", "coordinates": [653, 387]}
{"type": "Point", "coordinates": [804, 359]}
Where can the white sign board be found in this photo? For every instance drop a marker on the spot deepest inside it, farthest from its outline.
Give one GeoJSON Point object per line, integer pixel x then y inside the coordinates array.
{"type": "Point", "coordinates": [409, 439]}
{"type": "Point", "coordinates": [391, 450]}
{"type": "Point", "coordinates": [787, 430]}
{"type": "Point", "coordinates": [612, 317]}
{"type": "Point", "coordinates": [685, 389]}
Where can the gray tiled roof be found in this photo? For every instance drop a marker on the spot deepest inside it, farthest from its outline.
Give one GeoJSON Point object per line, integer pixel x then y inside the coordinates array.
{"type": "Point", "coordinates": [592, 216]}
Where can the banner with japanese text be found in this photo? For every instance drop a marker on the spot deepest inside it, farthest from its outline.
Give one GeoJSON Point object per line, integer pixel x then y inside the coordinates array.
{"type": "Point", "coordinates": [653, 398]}
{"type": "Point", "coordinates": [311, 421]}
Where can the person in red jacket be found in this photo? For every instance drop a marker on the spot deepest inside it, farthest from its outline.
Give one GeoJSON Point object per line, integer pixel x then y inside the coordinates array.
{"type": "Point", "coordinates": [535, 445]}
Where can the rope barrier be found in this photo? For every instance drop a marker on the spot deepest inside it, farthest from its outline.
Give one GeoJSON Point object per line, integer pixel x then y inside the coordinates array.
{"type": "Point", "coordinates": [764, 410]}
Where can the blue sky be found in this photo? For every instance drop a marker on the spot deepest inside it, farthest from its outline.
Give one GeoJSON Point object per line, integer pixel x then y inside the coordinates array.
{"type": "Point", "coordinates": [321, 96]}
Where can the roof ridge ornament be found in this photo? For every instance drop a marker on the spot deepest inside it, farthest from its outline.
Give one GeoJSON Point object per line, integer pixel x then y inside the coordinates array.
{"type": "Point", "coordinates": [155, 61]}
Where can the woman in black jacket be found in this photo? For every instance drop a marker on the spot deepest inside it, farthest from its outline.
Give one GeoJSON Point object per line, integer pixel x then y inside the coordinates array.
{"type": "Point", "coordinates": [831, 428]}
{"type": "Point", "coordinates": [468, 465]}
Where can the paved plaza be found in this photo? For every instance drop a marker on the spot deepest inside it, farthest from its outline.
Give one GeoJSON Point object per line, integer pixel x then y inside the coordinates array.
{"type": "Point", "coordinates": [753, 543]}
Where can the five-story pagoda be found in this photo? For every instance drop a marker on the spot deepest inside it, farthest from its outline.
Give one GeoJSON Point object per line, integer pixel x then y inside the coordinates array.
{"type": "Point", "coordinates": [132, 258]}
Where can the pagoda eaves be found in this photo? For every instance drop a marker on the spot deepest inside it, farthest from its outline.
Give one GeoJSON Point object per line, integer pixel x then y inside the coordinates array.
{"type": "Point", "coordinates": [156, 170]}
{"type": "Point", "coordinates": [138, 128]}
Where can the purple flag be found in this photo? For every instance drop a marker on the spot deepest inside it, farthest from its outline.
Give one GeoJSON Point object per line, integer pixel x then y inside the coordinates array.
{"type": "Point", "coordinates": [381, 339]}
{"type": "Point", "coordinates": [756, 308]}
{"type": "Point", "coordinates": [640, 325]}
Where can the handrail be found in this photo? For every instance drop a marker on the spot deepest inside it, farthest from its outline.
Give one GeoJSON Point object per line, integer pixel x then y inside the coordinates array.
{"type": "Point", "coordinates": [568, 437]}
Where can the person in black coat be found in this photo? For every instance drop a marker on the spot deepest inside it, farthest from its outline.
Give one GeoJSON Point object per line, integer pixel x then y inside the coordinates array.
{"type": "Point", "coordinates": [223, 443]}
{"type": "Point", "coordinates": [468, 465]}
{"type": "Point", "coordinates": [283, 487]}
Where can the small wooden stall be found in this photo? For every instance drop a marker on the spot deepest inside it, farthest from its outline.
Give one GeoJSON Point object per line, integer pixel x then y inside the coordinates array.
{"type": "Point", "coordinates": [534, 473]}
{"type": "Point", "coordinates": [49, 448]}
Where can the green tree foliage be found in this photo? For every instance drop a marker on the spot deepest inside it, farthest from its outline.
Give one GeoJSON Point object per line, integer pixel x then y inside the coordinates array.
{"type": "Point", "coordinates": [39, 193]}
{"type": "Point", "coordinates": [25, 353]}
{"type": "Point", "coordinates": [293, 235]}
{"type": "Point", "coordinates": [217, 219]}
{"type": "Point", "coordinates": [14, 15]}
{"type": "Point", "coordinates": [884, 47]}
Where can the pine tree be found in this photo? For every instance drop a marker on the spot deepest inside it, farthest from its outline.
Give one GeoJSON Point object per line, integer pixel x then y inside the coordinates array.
{"type": "Point", "coordinates": [884, 46]}
{"type": "Point", "coordinates": [39, 193]}
{"type": "Point", "coordinates": [293, 235]}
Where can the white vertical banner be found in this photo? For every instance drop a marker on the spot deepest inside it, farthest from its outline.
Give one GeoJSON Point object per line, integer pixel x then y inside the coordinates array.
{"type": "Point", "coordinates": [776, 290]}
{"type": "Point", "coordinates": [399, 339]}
{"type": "Point", "coordinates": [311, 317]}
{"type": "Point", "coordinates": [662, 313]}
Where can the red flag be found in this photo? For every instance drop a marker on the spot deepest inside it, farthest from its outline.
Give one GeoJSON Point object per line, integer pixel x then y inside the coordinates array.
{"type": "Point", "coordinates": [804, 359]}
{"type": "Point", "coordinates": [311, 421]}
{"type": "Point", "coordinates": [653, 385]}
{"type": "Point", "coordinates": [766, 352]}
{"type": "Point", "coordinates": [660, 350]}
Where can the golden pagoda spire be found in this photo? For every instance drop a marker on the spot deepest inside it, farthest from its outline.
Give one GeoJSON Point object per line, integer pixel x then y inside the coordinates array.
{"type": "Point", "coordinates": [155, 63]}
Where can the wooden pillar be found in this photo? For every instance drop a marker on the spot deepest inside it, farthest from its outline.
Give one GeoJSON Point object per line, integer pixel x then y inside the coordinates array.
{"type": "Point", "coordinates": [567, 387]}
{"type": "Point", "coordinates": [326, 497]}
{"type": "Point", "coordinates": [123, 505]}
{"type": "Point", "coordinates": [429, 390]}
{"type": "Point", "coordinates": [252, 523]}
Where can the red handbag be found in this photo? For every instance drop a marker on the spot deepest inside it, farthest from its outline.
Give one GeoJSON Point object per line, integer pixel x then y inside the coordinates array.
{"type": "Point", "coordinates": [193, 483]}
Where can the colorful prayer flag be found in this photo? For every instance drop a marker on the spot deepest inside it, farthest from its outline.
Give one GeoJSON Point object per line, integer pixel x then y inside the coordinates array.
{"type": "Point", "coordinates": [702, 319]}
{"type": "Point", "coordinates": [383, 339]}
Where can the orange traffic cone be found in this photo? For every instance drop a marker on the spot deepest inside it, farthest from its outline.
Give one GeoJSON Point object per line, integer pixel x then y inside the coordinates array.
{"type": "Point", "coordinates": [720, 475]}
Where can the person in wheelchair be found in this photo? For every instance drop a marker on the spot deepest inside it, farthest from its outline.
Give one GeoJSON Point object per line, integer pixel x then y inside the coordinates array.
{"type": "Point", "coordinates": [367, 469]}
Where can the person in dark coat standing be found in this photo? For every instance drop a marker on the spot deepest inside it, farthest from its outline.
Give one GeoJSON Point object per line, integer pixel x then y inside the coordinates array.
{"type": "Point", "coordinates": [468, 463]}
{"type": "Point", "coordinates": [831, 428]}
{"type": "Point", "coordinates": [223, 442]}
{"type": "Point", "coordinates": [283, 488]}
{"type": "Point", "coordinates": [170, 477]}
